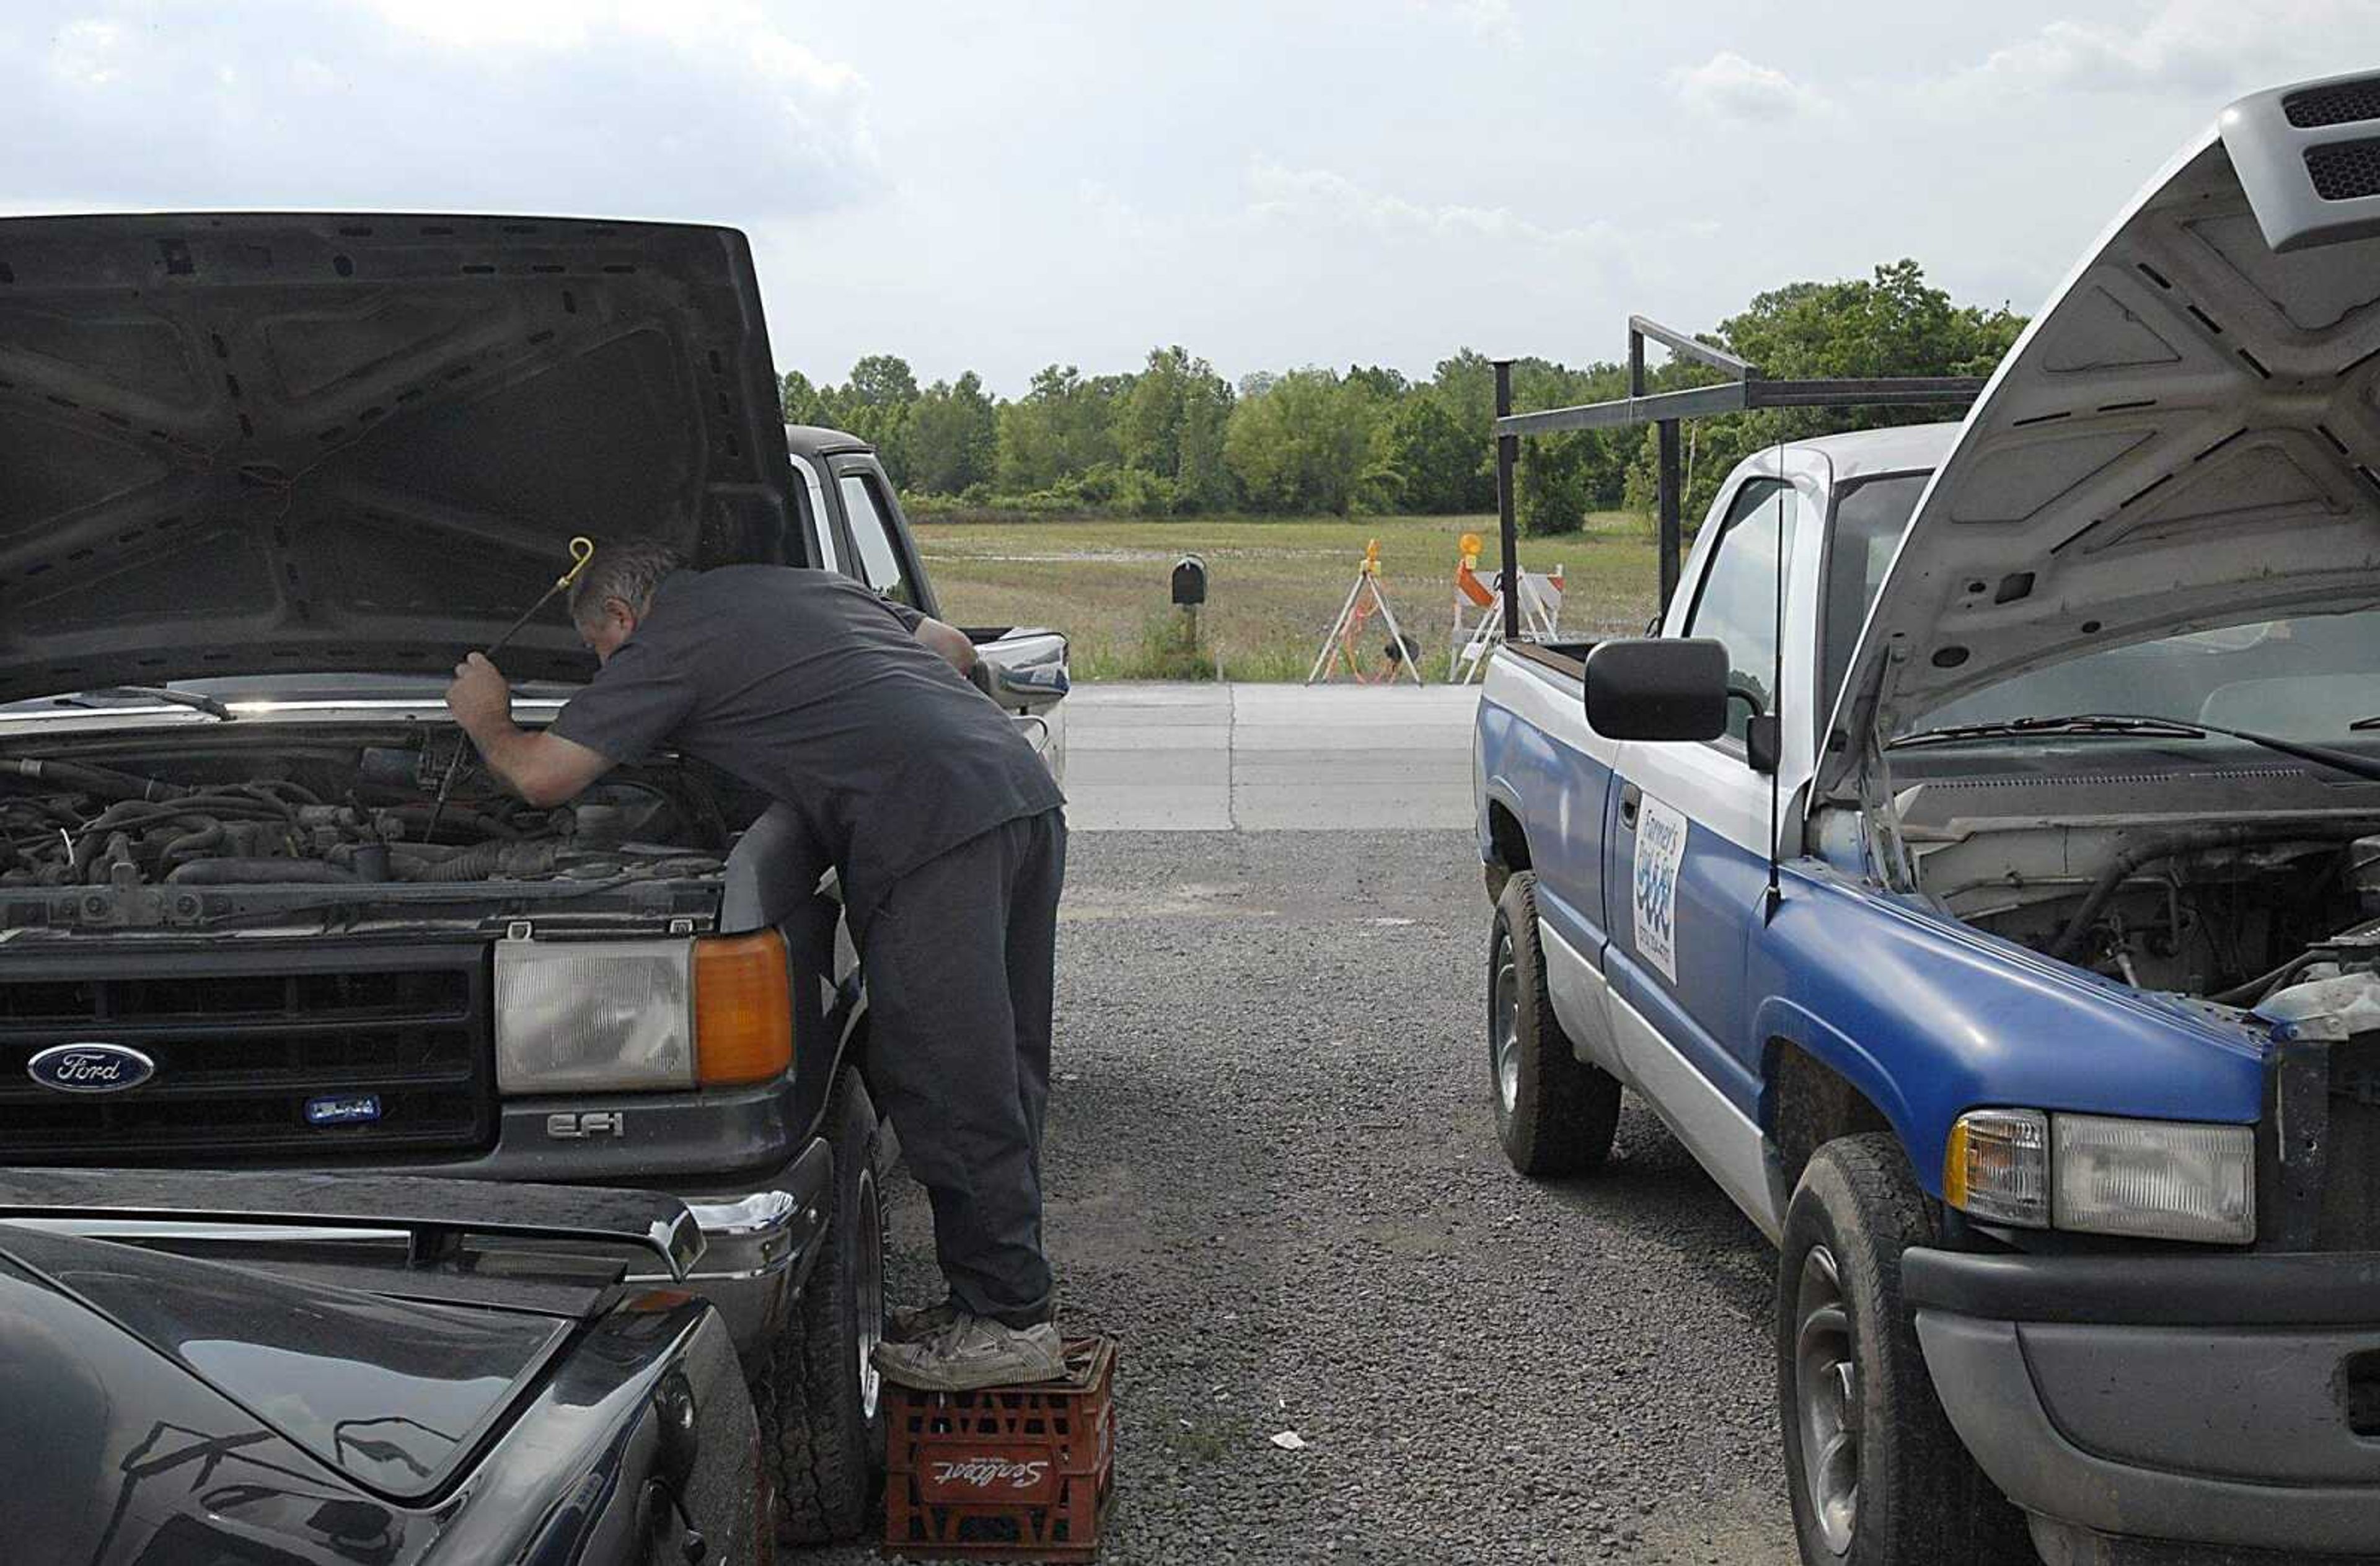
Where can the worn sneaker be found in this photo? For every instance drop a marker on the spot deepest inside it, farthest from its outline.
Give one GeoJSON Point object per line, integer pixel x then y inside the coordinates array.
{"type": "Point", "coordinates": [909, 1326]}
{"type": "Point", "coordinates": [973, 1352]}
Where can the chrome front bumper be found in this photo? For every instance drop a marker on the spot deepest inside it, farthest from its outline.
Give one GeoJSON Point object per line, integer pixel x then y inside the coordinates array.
{"type": "Point", "coordinates": [759, 1248]}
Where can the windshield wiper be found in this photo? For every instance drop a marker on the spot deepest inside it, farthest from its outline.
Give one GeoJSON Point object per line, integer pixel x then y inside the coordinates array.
{"type": "Point", "coordinates": [2138, 724]}
{"type": "Point", "coordinates": [2071, 724]}
{"type": "Point", "coordinates": [190, 698]}
{"type": "Point", "coordinates": [2370, 722]}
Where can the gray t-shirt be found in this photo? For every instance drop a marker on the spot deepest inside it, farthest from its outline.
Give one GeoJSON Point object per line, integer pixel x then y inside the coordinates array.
{"type": "Point", "coordinates": [815, 691]}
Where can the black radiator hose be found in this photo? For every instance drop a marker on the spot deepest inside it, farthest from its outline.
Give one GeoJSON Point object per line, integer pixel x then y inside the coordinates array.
{"type": "Point", "coordinates": [2234, 835]}
{"type": "Point", "coordinates": [76, 777]}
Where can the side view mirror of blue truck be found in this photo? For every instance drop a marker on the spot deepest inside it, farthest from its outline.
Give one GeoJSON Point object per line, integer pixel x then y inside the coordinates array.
{"type": "Point", "coordinates": [1658, 688]}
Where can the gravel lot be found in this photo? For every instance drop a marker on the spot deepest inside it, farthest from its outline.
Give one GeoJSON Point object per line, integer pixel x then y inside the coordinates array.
{"type": "Point", "coordinates": [1273, 1175]}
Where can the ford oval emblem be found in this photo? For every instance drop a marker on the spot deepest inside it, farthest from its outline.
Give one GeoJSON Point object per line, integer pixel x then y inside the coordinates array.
{"type": "Point", "coordinates": [91, 1068]}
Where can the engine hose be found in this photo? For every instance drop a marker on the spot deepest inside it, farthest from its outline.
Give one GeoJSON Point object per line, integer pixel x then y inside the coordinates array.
{"type": "Point", "coordinates": [198, 840]}
{"type": "Point", "coordinates": [78, 777]}
{"type": "Point", "coordinates": [2255, 991]}
{"type": "Point", "coordinates": [136, 817]}
{"type": "Point", "coordinates": [420, 817]}
{"type": "Point", "coordinates": [256, 872]}
{"type": "Point", "coordinates": [2094, 902]}
{"type": "Point", "coordinates": [133, 812]}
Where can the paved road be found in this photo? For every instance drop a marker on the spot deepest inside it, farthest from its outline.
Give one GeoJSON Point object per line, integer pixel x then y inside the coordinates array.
{"type": "Point", "coordinates": [1272, 1173]}
{"type": "Point", "coordinates": [1212, 757]}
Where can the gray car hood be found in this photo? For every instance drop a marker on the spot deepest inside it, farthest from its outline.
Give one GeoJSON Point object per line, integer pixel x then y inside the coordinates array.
{"type": "Point", "coordinates": [2187, 436]}
{"type": "Point", "coordinates": [241, 442]}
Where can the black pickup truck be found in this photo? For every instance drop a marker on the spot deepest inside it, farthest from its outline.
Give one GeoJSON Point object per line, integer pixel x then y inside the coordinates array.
{"type": "Point", "coordinates": [262, 479]}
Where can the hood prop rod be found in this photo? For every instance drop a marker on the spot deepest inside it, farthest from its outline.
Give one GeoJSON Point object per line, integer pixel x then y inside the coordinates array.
{"type": "Point", "coordinates": [582, 549]}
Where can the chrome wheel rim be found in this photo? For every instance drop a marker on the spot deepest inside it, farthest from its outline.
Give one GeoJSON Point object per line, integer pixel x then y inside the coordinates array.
{"type": "Point", "coordinates": [1825, 1396]}
{"type": "Point", "coordinates": [868, 1290]}
{"type": "Point", "coordinates": [1504, 1025]}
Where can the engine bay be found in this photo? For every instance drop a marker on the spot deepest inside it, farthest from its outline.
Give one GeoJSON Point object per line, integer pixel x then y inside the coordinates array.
{"type": "Point", "coordinates": [2255, 884]}
{"type": "Point", "coordinates": [312, 811]}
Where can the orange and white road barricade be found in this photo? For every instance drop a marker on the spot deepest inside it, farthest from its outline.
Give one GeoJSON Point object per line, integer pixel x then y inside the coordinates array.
{"type": "Point", "coordinates": [1472, 641]}
{"type": "Point", "coordinates": [1366, 600]}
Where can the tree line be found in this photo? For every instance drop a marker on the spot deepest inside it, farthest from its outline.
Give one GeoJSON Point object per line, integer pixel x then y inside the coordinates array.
{"type": "Point", "coordinates": [1173, 438]}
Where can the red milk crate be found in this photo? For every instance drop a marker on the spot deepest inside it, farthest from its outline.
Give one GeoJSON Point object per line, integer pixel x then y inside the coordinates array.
{"type": "Point", "coordinates": [1008, 1473]}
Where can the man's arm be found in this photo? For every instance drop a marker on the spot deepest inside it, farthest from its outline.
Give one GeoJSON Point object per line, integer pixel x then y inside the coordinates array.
{"type": "Point", "coordinates": [949, 642]}
{"type": "Point", "coordinates": [543, 769]}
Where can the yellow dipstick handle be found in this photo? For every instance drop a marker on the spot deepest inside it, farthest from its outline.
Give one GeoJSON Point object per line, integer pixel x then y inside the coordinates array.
{"type": "Point", "coordinates": [582, 549]}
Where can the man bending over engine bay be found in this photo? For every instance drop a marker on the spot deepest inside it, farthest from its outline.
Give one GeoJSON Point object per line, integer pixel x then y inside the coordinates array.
{"type": "Point", "coordinates": [950, 838]}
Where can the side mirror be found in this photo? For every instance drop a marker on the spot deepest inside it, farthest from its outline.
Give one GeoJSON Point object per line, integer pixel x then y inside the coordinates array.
{"type": "Point", "coordinates": [1658, 688]}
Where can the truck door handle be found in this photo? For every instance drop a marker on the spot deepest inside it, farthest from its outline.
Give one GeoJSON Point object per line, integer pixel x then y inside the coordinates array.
{"type": "Point", "coordinates": [1629, 797]}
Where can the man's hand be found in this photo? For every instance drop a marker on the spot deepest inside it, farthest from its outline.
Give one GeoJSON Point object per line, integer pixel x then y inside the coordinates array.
{"type": "Point", "coordinates": [543, 769]}
{"type": "Point", "coordinates": [479, 698]}
{"type": "Point", "coordinates": [948, 642]}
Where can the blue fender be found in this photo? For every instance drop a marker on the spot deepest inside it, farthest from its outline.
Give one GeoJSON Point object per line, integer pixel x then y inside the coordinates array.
{"type": "Point", "coordinates": [1929, 1018]}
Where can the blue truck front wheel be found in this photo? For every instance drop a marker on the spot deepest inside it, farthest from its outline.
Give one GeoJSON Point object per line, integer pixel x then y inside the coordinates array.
{"type": "Point", "coordinates": [1875, 1473]}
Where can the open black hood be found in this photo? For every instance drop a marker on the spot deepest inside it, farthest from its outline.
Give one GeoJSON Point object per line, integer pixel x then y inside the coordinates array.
{"type": "Point", "coordinates": [232, 443]}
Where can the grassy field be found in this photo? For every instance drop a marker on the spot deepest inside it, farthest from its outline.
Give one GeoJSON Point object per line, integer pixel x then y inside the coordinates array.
{"type": "Point", "coordinates": [1274, 586]}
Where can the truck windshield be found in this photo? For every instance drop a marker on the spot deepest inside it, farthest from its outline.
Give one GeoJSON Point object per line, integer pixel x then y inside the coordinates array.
{"type": "Point", "coordinates": [2309, 677]}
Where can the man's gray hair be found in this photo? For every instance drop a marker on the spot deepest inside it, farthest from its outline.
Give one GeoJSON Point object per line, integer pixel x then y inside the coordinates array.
{"type": "Point", "coordinates": [629, 569]}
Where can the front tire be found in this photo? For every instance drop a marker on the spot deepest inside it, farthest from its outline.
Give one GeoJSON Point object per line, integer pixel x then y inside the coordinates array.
{"type": "Point", "coordinates": [1555, 1113]}
{"type": "Point", "coordinates": [1876, 1476]}
{"type": "Point", "coordinates": [820, 1403]}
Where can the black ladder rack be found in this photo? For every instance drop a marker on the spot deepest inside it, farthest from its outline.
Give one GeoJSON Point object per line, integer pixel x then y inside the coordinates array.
{"type": "Point", "coordinates": [1747, 389]}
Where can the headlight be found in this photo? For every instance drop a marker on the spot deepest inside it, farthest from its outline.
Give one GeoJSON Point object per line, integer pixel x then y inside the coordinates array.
{"type": "Point", "coordinates": [2160, 1180]}
{"type": "Point", "coordinates": [641, 1016]}
{"type": "Point", "coordinates": [594, 1015]}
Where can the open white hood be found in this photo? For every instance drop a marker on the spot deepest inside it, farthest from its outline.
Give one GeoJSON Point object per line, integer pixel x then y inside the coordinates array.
{"type": "Point", "coordinates": [2187, 436]}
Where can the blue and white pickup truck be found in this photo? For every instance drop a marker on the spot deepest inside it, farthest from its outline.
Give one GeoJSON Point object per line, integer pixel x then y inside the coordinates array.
{"type": "Point", "coordinates": [2050, 1055]}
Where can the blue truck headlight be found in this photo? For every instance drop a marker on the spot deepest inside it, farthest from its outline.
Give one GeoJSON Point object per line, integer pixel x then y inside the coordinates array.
{"type": "Point", "coordinates": [2161, 1180]}
{"type": "Point", "coordinates": [594, 1015]}
{"type": "Point", "coordinates": [2153, 1179]}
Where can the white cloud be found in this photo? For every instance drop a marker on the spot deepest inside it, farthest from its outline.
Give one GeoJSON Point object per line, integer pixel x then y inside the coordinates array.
{"type": "Point", "coordinates": [84, 53]}
{"type": "Point", "coordinates": [2206, 46]}
{"type": "Point", "coordinates": [1728, 86]}
{"type": "Point", "coordinates": [711, 109]}
{"type": "Point", "coordinates": [1268, 183]}
{"type": "Point", "coordinates": [1318, 197]}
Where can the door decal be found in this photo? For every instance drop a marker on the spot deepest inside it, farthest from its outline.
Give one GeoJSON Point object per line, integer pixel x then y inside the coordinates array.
{"type": "Point", "coordinates": [1660, 845]}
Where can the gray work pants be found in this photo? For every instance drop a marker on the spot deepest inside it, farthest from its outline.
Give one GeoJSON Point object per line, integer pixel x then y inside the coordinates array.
{"type": "Point", "coordinates": [960, 956]}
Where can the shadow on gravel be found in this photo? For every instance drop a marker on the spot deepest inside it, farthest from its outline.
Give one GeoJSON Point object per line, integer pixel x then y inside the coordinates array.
{"type": "Point", "coordinates": [1656, 1195]}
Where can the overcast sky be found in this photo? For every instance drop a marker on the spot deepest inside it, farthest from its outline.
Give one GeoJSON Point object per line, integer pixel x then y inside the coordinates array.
{"type": "Point", "coordinates": [994, 187]}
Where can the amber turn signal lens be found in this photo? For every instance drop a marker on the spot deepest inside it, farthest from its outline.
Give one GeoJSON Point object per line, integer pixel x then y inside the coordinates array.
{"type": "Point", "coordinates": [743, 1009]}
